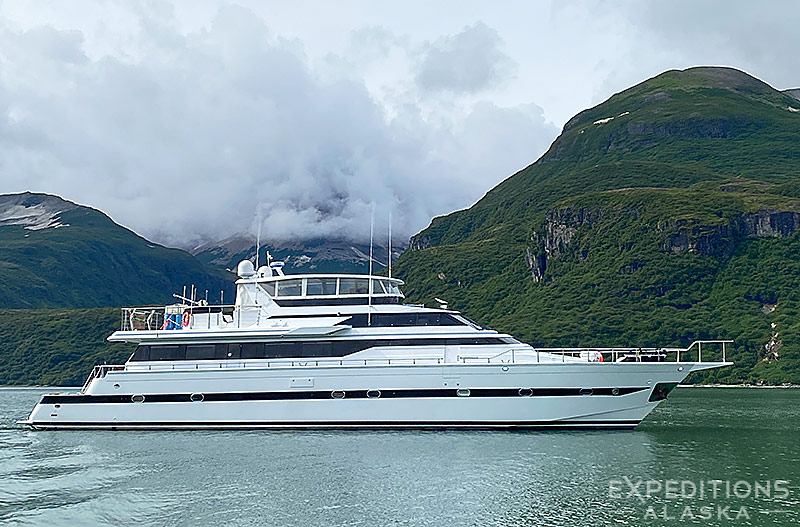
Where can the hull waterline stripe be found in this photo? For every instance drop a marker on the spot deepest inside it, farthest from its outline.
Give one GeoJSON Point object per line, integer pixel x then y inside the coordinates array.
{"type": "Point", "coordinates": [179, 425]}
{"type": "Point", "coordinates": [348, 394]}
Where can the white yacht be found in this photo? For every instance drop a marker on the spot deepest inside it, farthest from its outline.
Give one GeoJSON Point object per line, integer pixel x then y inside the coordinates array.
{"type": "Point", "coordinates": [343, 351]}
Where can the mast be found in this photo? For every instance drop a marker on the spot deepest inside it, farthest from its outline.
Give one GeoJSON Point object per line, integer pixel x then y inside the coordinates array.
{"type": "Point", "coordinates": [371, 232]}
{"type": "Point", "coordinates": [390, 243]}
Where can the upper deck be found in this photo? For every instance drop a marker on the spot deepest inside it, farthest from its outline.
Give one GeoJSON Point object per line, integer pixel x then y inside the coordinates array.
{"type": "Point", "coordinates": [266, 294]}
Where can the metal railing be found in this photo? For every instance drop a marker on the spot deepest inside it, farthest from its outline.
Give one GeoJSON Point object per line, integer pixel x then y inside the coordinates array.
{"type": "Point", "coordinates": [142, 318]}
{"type": "Point", "coordinates": [98, 372]}
{"type": "Point", "coordinates": [175, 317]}
{"type": "Point", "coordinates": [510, 356]}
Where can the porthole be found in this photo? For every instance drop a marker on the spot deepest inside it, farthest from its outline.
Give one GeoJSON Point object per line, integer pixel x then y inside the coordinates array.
{"type": "Point", "coordinates": [614, 391]}
{"type": "Point", "coordinates": [196, 397]}
{"type": "Point", "coordinates": [138, 398]}
{"type": "Point", "coordinates": [586, 391]}
{"type": "Point", "coordinates": [116, 386]}
{"type": "Point", "coordinates": [337, 394]}
{"type": "Point", "coordinates": [525, 392]}
{"type": "Point", "coordinates": [373, 394]}
{"type": "Point", "coordinates": [58, 406]}
{"type": "Point", "coordinates": [462, 392]}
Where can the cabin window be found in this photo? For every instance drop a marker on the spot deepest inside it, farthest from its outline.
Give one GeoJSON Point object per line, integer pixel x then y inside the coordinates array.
{"type": "Point", "coordinates": [316, 349]}
{"type": "Point", "coordinates": [141, 353]}
{"type": "Point", "coordinates": [353, 286]}
{"type": "Point", "coordinates": [321, 286]}
{"type": "Point", "coordinates": [167, 352]}
{"type": "Point", "coordinates": [282, 349]}
{"type": "Point", "coordinates": [252, 350]}
{"type": "Point", "coordinates": [293, 287]}
{"type": "Point", "coordinates": [269, 288]}
{"type": "Point", "coordinates": [377, 288]}
{"type": "Point", "coordinates": [200, 351]}
{"type": "Point", "coordinates": [391, 288]}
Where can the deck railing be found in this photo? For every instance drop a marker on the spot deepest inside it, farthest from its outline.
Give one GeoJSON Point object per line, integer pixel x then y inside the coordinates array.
{"type": "Point", "coordinates": [176, 317]}
{"type": "Point", "coordinates": [511, 356]}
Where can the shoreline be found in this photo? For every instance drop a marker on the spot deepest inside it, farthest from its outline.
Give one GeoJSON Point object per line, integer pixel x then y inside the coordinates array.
{"type": "Point", "coordinates": [768, 386]}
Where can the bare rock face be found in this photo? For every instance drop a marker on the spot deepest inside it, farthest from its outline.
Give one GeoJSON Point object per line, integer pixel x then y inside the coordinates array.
{"type": "Point", "coordinates": [553, 239]}
{"type": "Point", "coordinates": [772, 346]}
{"type": "Point", "coordinates": [419, 242]}
{"type": "Point", "coordinates": [536, 262]}
{"type": "Point", "coordinates": [775, 224]}
{"type": "Point", "coordinates": [720, 240]}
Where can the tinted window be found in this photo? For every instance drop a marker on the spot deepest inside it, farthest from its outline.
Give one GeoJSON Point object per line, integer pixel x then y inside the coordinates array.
{"type": "Point", "coordinates": [141, 353]}
{"type": "Point", "coordinates": [252, 350]}
{"type": "Point", "coordinates": [400, 319]}
{"type": "Point", "coordinates": [167, 352]}
{"type": "Point", "coordinates": [316, 349]}
{"type": "Point", "coordinates": [200, 351]}
{"type": "Point", "coordinates": [292, 287]}
{"type": "Point", "coordinates": [377, 288]}
{"type": "Point", "coordinates": [321, 286]}
{"type": "Point", "coordinates": [233, 351]}
{"type": "Point", "coordinates": [282, 349]}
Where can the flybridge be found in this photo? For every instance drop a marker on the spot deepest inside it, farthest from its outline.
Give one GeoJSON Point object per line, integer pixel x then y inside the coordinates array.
{"type": "Point", "coordinates": [262, 296]}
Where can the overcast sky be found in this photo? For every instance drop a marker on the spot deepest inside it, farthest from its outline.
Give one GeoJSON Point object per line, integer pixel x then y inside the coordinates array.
{"type": "Point", "coordinates": [186, 121]}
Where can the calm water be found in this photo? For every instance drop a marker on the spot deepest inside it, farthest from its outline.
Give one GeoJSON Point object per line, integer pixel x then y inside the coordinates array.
{"type": "Point", "coordinates": [410, 478]}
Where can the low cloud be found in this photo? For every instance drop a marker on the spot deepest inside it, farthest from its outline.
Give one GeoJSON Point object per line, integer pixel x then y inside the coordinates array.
{"type": "Point", "coordinates": [468, 62]}
{"type": "Point", "coordinates": [195, 135]}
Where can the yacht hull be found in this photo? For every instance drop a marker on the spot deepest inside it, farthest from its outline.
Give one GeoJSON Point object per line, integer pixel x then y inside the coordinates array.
{"type": "Point", "coordinates": [571, 395]}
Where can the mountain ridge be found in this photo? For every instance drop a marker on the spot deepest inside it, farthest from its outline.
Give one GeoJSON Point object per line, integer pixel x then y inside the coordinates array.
{"type": "Point", "coordinates": [684, 176]}
{"type": "Point", "coordinates": [57, 253]}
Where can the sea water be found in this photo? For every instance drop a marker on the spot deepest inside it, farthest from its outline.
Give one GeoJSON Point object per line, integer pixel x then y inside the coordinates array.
{"type": "Point", "coordinates": [721, 440]}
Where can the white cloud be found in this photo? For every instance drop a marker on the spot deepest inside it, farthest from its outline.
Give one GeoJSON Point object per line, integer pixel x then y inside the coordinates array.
{"type": "Point", "coordinates": [181, 119]}
{"type": "Point", "coordinates": [184, 137]}
{"type": "Point", "coordinates": [468, 62]}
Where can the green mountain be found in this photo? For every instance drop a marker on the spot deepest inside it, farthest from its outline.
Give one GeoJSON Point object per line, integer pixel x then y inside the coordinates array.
{"type": "Point", "coordinates": [668, 213]}
{"type": "Point", "coordinates": [55, 253]}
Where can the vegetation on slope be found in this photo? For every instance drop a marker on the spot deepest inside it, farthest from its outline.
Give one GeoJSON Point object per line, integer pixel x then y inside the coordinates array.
{"type": "Point", "coordinates": [57, 347]}
{"type": "Point", "coordinates": [89, 261]}
{"type": "Point", "coordinates": [665, 214]}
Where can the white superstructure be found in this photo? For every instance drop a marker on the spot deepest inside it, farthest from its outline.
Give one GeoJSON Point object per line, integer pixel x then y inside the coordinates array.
{"type": "Point", "coordinates": [340, 351]}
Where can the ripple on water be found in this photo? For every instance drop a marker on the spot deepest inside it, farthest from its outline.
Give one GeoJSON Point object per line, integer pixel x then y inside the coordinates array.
{"type": "Point", "coordinates": [389, 478]}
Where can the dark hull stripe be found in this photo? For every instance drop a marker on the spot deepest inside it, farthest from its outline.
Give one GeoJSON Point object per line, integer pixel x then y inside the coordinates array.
{"type": "Point", "coordinates": [348, 394]}
{"type": "Point", "coordinates": [416, 425]}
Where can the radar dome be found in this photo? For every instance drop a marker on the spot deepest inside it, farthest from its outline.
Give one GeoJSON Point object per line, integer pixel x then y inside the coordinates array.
{"type": "Point", "coordinates": [245, 269]}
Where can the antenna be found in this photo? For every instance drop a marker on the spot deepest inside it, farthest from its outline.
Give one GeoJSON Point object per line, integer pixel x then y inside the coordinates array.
{"type": "Point", "coordinates": [258, 238]}
{"type": "Point", "coordinates": [390, 243]}
{"type": "Point", "coordinates": [371, 232]}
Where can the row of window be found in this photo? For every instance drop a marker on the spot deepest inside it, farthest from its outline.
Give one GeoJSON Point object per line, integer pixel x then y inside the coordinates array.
{"type": "Point", "coordinates": [361, 320]}
{"type": "Point", "coordinates": [328, 287]}
{"type": "Point", "coordinates": [273, 350]}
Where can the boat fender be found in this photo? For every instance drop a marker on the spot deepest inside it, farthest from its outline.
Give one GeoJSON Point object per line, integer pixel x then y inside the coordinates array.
{"type": "Point", "coordinates": [187, 317]}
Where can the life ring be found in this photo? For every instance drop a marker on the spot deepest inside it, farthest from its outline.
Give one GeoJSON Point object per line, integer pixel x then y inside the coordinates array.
{"type": "Point", "coordinates": [186, 318]}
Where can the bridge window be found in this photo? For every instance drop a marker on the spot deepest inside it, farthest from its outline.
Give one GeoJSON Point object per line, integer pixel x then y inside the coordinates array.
{"type": "Point", "coordinates": [269, 288]}
{"type": "Point", "coordinates": [353, 286]}
{"type": "Point", "coordinates": [320, 286]}
{"type": "Point", "coordinates": [293, 287]}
